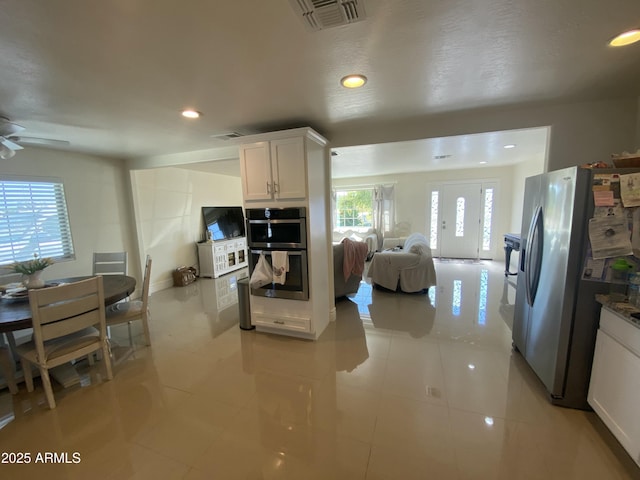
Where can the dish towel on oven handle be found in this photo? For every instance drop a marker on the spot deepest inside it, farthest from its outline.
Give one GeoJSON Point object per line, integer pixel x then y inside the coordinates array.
{"type": "Point", "coordinates": [280, 264]}
{"type": "Point", "coordinates": [262, 273]}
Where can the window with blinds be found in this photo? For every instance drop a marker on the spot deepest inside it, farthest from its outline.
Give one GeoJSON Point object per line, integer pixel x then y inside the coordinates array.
{"type": "Point", "coordinates": [33, 220]}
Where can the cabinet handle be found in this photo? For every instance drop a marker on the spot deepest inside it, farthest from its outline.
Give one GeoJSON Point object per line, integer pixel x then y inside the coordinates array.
{"type": "Point", "coordinates": [276, 189]}
{"type": "Point", "coordinates": [268, 187]}
{"type": "Point", "coordinates": [279, 322]}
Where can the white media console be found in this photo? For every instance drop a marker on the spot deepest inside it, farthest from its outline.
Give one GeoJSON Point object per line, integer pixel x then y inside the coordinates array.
{"type": "Point", "coordinates": [223, 256]}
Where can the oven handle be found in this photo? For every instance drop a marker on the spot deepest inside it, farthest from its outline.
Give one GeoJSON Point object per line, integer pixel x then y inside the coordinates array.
{"type": "Point", "coordinates": [268, 252]}
{"type": "Point", "coordinates": [295, 220]}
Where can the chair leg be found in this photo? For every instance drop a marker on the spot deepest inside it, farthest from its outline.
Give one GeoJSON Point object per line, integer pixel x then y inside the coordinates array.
{"type": "Point", "coordinates": [107, 359]}
{"type": "Point", "coordinates": [48, 389]}
{"type": "Point", "coordinates": [7, 368]}
{"type": "Point", "coordinates": [145, 326]}
{"type": "Point", "coordinates": [28, 376]}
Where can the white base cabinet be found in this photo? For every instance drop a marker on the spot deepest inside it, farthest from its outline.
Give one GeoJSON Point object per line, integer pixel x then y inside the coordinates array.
{"type": "Point", "coordinates": [614, 391]}
{"type": "Point", "coordinates": [222, 257]}
{"type": "Point", "coordinates": [285, 169]}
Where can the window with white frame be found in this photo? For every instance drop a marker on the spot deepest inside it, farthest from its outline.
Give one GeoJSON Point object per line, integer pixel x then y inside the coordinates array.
{"type": "Point", "coordinates": [486, 219]}
{"type": "Point", "coordinates": [33, 220]}
{"type": "Point", "coordinates": [354, 209]}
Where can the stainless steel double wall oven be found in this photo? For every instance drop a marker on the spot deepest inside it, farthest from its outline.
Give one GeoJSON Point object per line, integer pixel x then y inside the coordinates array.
{"type": "Point", "coordinates": [280, 229]}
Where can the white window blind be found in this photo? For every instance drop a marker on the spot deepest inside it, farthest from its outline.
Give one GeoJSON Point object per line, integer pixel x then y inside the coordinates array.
{"type": "Point", "coordinates": [33, 220]}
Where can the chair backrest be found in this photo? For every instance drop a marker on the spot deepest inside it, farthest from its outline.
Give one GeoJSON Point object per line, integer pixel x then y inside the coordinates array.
{"type": "Point", "coordinates": [66, 309]}
{"type": "Point", "coordinates": [110, 263]}
{"type": "Point", "coordinates": [146, 282]}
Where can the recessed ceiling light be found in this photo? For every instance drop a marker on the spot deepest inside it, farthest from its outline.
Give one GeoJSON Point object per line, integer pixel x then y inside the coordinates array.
{"type": "Point", "coordinates": [483, 162]}
{"type": "Point", "coordinates": [191, 113]}
{"type": "Point", "coordinates": [626, 38]}
{"type": "Point", "coordinates": [510, 145]}
{"type": "Point", "coordinates": [353, 81]}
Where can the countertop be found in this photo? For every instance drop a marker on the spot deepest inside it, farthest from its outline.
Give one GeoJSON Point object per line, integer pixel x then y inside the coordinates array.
{"type": "Point", "coordinates": [623, 309]}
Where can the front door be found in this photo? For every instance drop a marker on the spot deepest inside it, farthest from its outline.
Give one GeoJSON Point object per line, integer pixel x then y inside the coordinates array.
{"type": "Point", "coordinates": [460, 220]}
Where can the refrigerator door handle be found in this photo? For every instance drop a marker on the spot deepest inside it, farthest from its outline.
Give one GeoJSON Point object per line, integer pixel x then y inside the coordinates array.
{"type": "Point", "coordinates": [537, 216]}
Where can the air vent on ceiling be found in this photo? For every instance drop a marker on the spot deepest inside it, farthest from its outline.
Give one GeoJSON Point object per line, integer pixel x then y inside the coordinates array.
{"type": "Point", "coordinates": [321, 14]}
{"type": "Point", "coordinates": [440, 157]}
{"type": "Point", "coordinates": [227, 135]}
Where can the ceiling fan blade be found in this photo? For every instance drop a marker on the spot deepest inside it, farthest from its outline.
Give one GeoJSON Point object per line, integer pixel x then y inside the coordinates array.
{"type": "Point", "coordinates": [40, 141]}
{"type": "Point", "coordinates": [9, 144]}
{"type": "Point", "coordinates": [8, 128]}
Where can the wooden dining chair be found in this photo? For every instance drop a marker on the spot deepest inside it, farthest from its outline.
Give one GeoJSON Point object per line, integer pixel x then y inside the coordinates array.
{"type": "Point", "coordinates": [110, 263]}
{"type": "Point", "coordinates": [126, 312]}
{"type": "Point", "coordinates": [68, 323]}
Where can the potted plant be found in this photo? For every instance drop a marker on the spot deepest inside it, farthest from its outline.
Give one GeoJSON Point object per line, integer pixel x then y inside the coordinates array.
{"type": "Point", "coordinates": [31, 271]}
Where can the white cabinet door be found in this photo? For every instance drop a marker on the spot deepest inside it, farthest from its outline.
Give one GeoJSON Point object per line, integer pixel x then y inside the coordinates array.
{"type": "Point", "coordinates": [255, 166]}
{"type": "Point", "coordinates": [288, 167]}
{"type": "Point", "coordinates": [281, 322]}
{"type": "Point", "coordinates": [614, 391]}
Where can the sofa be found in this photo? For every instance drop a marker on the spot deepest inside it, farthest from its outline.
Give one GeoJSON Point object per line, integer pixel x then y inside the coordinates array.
{"type": "Point", "coordinates": [370, 237]}
{"type": "Point", "coordinates": [409, 268]}
{"type": "Point", "coordinates": [389, 243]}
{"type": "Point", "coordinates": [341, 286]}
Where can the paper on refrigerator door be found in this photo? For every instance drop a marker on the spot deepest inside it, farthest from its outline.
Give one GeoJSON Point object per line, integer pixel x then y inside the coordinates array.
{"type": "Point", "coordinates": [610, 237]}
{"type": "Point", "coordinates": [630, 189]}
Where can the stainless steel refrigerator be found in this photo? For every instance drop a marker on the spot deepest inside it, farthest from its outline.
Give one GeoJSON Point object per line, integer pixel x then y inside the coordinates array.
{"type": "Point", "coordinates": [556, 315]}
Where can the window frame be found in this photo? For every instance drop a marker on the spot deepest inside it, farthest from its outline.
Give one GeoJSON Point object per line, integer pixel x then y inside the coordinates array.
{"type": "Point", "coordinates": [63, 227]}
{"type": "Point", "coordinates": [354, 228]}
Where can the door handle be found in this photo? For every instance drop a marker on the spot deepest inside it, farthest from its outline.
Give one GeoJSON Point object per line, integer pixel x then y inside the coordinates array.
{"type": "Point", "coordinates": [268, 187]}
{"type": "Point", "coordinates": [527, 258]}
{"type": "Point", "coordinates": [276, 189]}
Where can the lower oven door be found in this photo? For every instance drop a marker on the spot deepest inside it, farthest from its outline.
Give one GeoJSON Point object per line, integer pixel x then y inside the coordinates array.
{"type": "Point", "coordinates": [296, 285]}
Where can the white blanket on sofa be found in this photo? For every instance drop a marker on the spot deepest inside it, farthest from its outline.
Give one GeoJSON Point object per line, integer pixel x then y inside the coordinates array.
{"type": "Point", "coordinates": [412, 266]}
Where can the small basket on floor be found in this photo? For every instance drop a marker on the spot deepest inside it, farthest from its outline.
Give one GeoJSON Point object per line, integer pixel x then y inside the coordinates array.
{"type": "Point", "coordinates": [183, 276]}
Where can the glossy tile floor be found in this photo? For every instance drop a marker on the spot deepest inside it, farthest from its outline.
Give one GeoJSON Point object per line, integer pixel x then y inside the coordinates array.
{"type": "Point", "coordinates": [399, 387]}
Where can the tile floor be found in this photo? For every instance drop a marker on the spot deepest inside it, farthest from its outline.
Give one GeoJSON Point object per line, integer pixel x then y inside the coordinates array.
{"type": "Point", "coordinates": [399, 387]}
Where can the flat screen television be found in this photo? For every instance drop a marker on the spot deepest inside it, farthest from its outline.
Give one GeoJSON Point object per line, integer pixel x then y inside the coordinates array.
{"type": "Point", "coordinates": [223, 223]}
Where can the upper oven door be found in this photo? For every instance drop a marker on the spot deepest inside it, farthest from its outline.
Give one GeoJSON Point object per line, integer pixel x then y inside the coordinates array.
{"type": "Point", "coordinates": [289, 233]}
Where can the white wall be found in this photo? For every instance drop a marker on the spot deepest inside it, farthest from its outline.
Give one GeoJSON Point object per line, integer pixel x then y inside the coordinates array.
{"type": "Point", "coordinates": [520, 173]}
{"type": "Point", "coordinates": [412, 200]}
{"type": "Point", "coordinates": [167, 204]}
{"type": "Point", "coordinates": [98, 201]}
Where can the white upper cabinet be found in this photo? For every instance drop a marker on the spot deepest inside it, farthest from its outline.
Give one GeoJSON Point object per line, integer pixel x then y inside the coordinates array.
{"type": "Point", "coordinates": [288, 168]}
{"type": "Point", "coordinates": [255, 165]}
{"type": "Point", "coordinates": [274, 170]}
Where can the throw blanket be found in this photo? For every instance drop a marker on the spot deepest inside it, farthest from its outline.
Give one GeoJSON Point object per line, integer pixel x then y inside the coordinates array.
{"type": "Point", "coordinates": [280, 264]}
{"type": "Point", "coordinates": [355, 253]}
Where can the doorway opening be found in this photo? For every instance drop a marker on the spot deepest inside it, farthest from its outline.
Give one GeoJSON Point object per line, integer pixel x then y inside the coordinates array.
{"type": "Point", "coordinates": [461, 218]}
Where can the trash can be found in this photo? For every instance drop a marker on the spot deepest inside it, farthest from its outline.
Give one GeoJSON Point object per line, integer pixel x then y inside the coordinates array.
{"type": "Point", "coordinates": [243, 303]}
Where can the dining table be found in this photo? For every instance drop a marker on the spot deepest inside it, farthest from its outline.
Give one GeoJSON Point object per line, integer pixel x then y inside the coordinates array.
{"type": "Point", "coordinates": [15, 314]}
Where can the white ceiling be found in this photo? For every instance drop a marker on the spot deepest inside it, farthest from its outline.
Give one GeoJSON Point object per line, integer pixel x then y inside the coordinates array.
{"type": "Point", "coordinates": [464, 151]}
{"type": "Point", "coordinates": [112, 76]}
